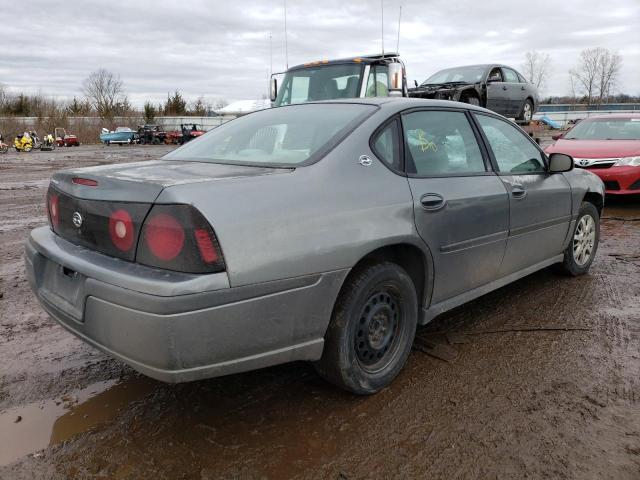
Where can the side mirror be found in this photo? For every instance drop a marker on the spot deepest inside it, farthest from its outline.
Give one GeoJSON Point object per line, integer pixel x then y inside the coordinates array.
{"type": "Point", "coordinates": [396, 77]}
{"type": "Point", "coordinates": [415, 82]}
{"type": "Point", "coordinates": [560, 162]}
{"type": "Point", "coordinates": [557, 136]}
{"type": "Point", "coordinates": [493, 80]}
{"type": "Point", "coordinates": [273, 90]}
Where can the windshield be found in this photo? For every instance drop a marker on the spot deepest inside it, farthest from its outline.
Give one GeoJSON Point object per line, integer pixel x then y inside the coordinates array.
{"type": "Point", "coordinates": [459, 74]}
{"type": "Point", "coordinates": [606, 129]}
{"type": "Point", "coordinates": [288, 136]}
{"type": "Point", "coordinates": [327, 82]}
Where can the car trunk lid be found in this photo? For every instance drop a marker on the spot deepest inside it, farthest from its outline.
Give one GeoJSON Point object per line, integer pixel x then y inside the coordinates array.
{"type": "Point", "coordinates": [104, 207]}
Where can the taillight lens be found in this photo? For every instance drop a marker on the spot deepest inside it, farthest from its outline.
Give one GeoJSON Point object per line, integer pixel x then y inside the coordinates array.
{"type": "Point", "coordinates": [53, 208]}
{"type": "Point", "coordinates": [164, 236]}
{"type": "Point", "coordinates": [121, 230]}
{"type": "Point", "coordinates": [178, 237]}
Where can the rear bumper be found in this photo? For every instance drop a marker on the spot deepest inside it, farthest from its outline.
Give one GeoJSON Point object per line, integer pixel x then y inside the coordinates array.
{"type": "Point", "coordinates": [620, 180]}
{"type": "Point", "coordinates": [178, 328]}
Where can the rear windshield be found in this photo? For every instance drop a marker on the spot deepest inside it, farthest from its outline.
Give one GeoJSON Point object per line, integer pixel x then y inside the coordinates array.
{"type": "Point", "coordinates": [283, 136]}
{"type": "Point", "coordinates": [606, 129]}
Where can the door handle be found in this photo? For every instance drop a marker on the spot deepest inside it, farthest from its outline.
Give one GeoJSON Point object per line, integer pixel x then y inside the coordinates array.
{"type": "Point", "coordinates": [518, 191]}
{"type": "Point", "coordinates": [432, 201]}
{"type": "Point", "coordinates": [504, 87]}
{"type": "Point", "coordinates": [522, 88]}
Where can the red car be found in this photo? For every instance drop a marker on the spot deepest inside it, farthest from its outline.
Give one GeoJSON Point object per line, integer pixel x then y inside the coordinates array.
{"type": "Point", "coordinates": [607, 145]}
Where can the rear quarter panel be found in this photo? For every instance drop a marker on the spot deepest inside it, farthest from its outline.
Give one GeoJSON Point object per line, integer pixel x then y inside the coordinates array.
{"type": "Point", "coordinates": [318, 218]}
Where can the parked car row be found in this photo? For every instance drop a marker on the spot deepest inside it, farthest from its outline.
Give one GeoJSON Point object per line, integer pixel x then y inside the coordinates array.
{"type": "Point", "coordinates": [150, 134]}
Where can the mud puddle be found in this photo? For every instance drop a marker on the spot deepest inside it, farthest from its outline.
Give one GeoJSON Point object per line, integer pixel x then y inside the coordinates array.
{"type": "Point", "coordinates": [29, 428]}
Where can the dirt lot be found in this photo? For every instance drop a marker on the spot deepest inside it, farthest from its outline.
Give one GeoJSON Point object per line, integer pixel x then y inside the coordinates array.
{"type": "Point", "coordinates": [545, 382]}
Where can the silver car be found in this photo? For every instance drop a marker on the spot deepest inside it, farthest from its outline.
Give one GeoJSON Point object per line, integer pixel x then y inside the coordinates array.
{"type": "Point", "coordinates": [323, 231]}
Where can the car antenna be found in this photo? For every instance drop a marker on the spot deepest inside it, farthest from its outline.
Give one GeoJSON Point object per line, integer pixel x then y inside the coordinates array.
{"type": "Point", "coordinates": [399, 19]}
{"type": "Point", "coordinates": [286, 46]}
{"type": "Point", "coordinates": [382, 23]}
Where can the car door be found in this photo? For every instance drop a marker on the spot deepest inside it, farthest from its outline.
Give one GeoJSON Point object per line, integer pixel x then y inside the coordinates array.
{"type": "Point", "coordinates": [461, 208]}
{"type": "Point", "coordinates": [497, 92]}
{"type": "Point", "coordinates": [516, 90]}
{"type": "Point", "coordinates": [540, 203]}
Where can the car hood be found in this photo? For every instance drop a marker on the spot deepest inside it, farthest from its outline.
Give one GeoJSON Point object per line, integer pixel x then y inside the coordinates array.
{"type": "Point", "coordinates": [143, 181]}
{"type": "Point", "coordinates": [596, 148]}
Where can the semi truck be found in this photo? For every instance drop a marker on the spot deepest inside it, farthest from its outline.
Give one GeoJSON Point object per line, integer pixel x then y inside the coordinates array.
{"type": "Point", "coordinates": [356, 77]}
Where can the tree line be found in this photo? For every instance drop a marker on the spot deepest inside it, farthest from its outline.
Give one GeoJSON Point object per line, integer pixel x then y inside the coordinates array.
{"type": "Point", "coordinates": [102, 95]}
{"type": "Point", "coordinates": [593, 80]}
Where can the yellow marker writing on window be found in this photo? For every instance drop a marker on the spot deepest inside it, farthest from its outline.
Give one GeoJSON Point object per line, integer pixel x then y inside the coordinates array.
{"type": "Point", "coordinates": [426, 144]}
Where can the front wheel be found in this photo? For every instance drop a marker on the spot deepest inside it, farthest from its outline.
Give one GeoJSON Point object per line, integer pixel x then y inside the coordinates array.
{"type": "Point", "coordinates": [582, 248]}
{"type": "Point", "coordinates": [371, 331]}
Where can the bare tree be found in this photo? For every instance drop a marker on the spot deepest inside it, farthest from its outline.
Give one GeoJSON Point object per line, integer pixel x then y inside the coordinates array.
{"type": "Point", "coordinates": [596, 73]}
{"type": "Point", "coordinates": [105, 92]}
{"type": "Point", "coordinates": [536, 68]}
{"type": "Point", "coordinates": [608, 69]}
{"type": "Point", "coordinates": [3, 97]}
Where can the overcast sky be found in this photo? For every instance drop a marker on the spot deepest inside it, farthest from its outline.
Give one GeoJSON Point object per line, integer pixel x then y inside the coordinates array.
{"type": "Point", "coordinates": [221, 49]}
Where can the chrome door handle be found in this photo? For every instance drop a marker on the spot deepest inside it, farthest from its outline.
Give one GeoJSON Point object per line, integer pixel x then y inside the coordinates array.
{"type": "Point", "coordinates": [432, 201]}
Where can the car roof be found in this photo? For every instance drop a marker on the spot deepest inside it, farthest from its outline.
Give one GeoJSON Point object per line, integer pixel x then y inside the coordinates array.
{"type": "Point", "coordinates": [399, 103]}
{"type": "Point", "coordinates": [355, 59]}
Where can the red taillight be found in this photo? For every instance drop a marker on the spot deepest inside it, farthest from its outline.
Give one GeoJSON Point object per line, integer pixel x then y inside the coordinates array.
{"type": "Point", "coordinates": [207, 249]}
{"type": "Point", "coordinates": [84, 181]}
{"type": "Point", "coordinates": [54, 209]}
{"type": "Point", "coordinates": [121, 230]}
{"type": "Point", "coordinates": [179, 238]}
{"type": "Point", "coordinates": [165, 236]}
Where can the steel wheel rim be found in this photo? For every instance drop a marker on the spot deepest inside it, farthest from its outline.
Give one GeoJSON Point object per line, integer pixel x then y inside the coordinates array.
{"type": "Point", "coordinates": [584, 240]}
{"type": "Point", "coordinates": [376, 335]}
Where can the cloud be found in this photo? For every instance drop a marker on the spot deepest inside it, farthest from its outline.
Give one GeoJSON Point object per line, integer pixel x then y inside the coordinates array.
{"type": "Point", "coordinates": [222, 49]}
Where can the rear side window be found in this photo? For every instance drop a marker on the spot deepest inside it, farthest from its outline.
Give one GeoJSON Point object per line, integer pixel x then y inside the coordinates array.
{"type": "Point", "coordinates": [510, 76]}
{"type": "Point", "coordinates": [386, 145]}
{"type": "Point", "coordinates": [440, 143]}
{"type": "Point", "coordinates": [513, 151]}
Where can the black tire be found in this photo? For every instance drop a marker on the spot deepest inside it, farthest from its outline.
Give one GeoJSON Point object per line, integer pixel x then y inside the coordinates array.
{"type": "Point", "coordinates": [526, 111]}
{"type": "Point", "coordinates": [574, 262]}
{"type": "Point", "coordinates": [371, 331]}
{"type": "Point", "coordinates": [472, 100]}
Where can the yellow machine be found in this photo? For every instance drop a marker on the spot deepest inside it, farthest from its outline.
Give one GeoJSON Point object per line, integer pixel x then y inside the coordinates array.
{"type": "Point", "coordinates": [23, 143]}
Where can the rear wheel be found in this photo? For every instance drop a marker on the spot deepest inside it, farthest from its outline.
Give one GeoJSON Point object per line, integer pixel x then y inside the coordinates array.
{"type": "Point", "coordinates": [526, 114]}
{"type": "Point", "coordinates": [371, 330]}
{"type": "Point", "coordinates": [582, 248]}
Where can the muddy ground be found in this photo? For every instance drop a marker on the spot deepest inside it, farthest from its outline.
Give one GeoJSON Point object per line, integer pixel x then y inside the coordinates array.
{"type": "Point", "coordinates": [545, 382]}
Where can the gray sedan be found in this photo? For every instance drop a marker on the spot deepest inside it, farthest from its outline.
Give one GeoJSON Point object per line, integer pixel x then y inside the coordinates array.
{"type": "Point", "coordinates": [322, 231]}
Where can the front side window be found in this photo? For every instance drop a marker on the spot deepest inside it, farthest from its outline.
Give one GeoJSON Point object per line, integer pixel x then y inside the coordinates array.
{"type": "Point", "coordinates": [440, 143]}
{"type": "Point", "coordinates": [513, 151]}
{"type": "Point", "coordinates": [378, 81]}
{"type": "Point", "coordinates": [495, 75]}
{"type": "Point", "coordinates": [326, 82]}
{"type": "Point", "coordinates": [386, 145]}
{"type": "Point", "coordinates": [287, 136]}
